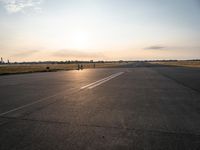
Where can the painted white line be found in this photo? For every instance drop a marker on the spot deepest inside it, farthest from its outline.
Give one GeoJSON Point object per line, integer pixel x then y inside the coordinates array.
{"type": "Point", "coordinates": [21, 107]}
{"type": "Point", "coordinates": [93, 86]}
{"type": "Point", "coordinates": [27, 105]}
{"type": "Point", "coordinates": [99, 82]}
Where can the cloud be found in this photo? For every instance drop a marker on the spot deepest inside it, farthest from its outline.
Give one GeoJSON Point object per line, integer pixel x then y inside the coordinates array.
{"type": "Point", "coordinates": [155, 47]}
{"type": "Point", "coordinates": [25, 53]}
{"type": "Point", "coordinates": [14, 6]}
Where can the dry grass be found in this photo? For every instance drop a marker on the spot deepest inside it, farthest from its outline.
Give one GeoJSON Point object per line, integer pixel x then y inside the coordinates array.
{"type": "Point", "coordinates": [183, 63]}
{"type": "Point", "coordinates": [28, 68]}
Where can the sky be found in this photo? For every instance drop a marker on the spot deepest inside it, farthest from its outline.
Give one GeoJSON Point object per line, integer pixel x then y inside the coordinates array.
{"type": "Point", "coordinates": [43, 30]}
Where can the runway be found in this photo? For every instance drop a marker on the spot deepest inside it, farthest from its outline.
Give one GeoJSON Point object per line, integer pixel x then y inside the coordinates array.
{"type": "Point", "coordinates": [137, 106]}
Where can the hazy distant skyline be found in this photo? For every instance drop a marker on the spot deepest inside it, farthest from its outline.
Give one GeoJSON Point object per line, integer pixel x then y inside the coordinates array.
{"type": "Point", "coordinates": [32, 30]}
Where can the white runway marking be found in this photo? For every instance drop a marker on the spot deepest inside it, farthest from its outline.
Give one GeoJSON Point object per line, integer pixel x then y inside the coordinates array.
{"type": "Point", "coordinates": [30, 104]}
{"type": "Point", "coordinates": [89, 86]}
{"type": "Point", "coordinates": [24, 106]}
{"type": "Point", "coordinates": [99, 82]}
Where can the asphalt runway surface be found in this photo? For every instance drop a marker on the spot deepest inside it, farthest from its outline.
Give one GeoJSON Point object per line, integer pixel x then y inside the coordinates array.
{"type": "Point", "coordinates": [138, 106]}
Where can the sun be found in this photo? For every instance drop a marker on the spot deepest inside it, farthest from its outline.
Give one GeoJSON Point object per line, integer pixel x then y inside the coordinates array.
{"type": "Point", "coordinates": [80, 40]}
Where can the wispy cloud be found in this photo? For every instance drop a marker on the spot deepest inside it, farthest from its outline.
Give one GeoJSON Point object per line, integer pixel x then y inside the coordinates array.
{"type": "Point", "coordinates": [154, 47]}
{"type": "Point", "coordinates": [25, 53]}
{"type": "Point", "coordinates": [70, 53]}
{"type": "Point", "coordinates": [14, 6]}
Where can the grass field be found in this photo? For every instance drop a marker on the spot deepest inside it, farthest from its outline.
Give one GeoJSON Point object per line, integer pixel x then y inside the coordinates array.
{"type": "Point", "coordinates": [183, 63]}
{"type": "Point", "coordinates": [30, 68]}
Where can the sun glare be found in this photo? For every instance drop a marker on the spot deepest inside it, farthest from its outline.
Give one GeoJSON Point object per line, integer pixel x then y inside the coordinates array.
{"type": "Point", "coordinates": [80, 40]}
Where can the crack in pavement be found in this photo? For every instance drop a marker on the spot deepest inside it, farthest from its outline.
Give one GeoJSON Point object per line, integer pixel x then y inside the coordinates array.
{"type": "Point", "coordinates": [101, 126]}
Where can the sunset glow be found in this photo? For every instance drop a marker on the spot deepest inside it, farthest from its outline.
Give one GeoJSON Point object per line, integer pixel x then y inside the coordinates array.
{"type": "Point", "coordinates": [99, 29]}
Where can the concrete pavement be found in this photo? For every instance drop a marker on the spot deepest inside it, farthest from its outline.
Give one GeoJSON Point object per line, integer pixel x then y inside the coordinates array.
{"type": "Point", "coordinates": [145, 107]}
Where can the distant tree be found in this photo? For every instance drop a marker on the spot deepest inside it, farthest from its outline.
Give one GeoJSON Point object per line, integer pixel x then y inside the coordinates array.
{"type": "Point", "coordinates": [1, 60]}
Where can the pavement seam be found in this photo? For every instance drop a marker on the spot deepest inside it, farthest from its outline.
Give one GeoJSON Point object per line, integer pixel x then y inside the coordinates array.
{"type": "Point", "coordinates": [177, 81]}
{"type": "Point", "coordinates": [39, 108]}
{"type": "Point", "coordinates": [39, 101]}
